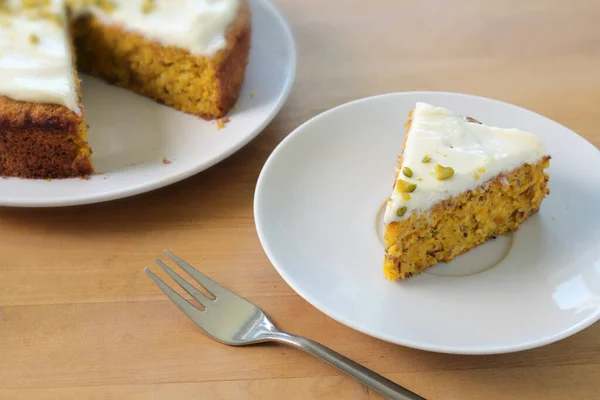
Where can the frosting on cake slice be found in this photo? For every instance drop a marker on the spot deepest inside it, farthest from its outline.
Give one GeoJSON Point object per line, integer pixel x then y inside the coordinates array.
{"type": "Point", "coordinates": [36, 64]}
{"type": "Point", "coordinates": [458, 183]}
{"type": "Point", "coordinates": [446, 154]}
{"type": "Point", "coordinates": [198, 26]}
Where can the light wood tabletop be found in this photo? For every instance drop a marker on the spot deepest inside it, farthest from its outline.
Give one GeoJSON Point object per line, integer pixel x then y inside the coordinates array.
{"type": "Point", "coordinates": [79, 319]}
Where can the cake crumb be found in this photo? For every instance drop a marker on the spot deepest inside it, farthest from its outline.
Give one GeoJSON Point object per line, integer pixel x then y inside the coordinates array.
{"type": "Point", "coordinates": [165, 161]}
{"type": "Point", "coordinates": [221, 122]}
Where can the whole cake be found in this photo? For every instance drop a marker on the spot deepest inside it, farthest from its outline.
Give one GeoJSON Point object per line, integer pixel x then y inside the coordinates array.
{"type": "Point", "coordinates": [458, 184]}
{"type": "Point", "coordinates": [188, 54]}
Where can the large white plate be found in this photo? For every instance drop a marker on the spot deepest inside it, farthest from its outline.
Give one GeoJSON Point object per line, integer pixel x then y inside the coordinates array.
{"type": "Point", "coordinates": [317, 210]}
{"type": "Point", "coordinates": [130, 135]}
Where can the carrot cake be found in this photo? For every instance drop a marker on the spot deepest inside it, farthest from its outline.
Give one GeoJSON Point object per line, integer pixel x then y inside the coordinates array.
{"type": "Point", "coordinates": [188, 54]}
{"type": "Point", "coordinates": [42, 126]}
{"type": "Point", "coordinates": [458, 184]}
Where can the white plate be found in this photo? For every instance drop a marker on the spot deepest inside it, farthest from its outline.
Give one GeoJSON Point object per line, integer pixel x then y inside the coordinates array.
{"type": "Point", "coordinates": [130, 134]}
{"type": "Point", "coordinates": [317, 210]}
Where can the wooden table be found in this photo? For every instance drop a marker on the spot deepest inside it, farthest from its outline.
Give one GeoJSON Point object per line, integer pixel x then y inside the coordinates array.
{"type": "Point", "coordinates": [80, 320]}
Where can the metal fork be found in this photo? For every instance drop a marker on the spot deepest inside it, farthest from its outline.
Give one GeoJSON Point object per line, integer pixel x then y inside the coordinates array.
{"type": "Point", "coordinates": [233, 320]}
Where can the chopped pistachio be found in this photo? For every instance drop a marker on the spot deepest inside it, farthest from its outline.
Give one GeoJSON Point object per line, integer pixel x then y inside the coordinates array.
{"type": "Point", "coordinates": [105, 5]}
{"type": "Point", "coordinates": [476, 176]}
{"type": "Point", "coordinates": [407, 172]}
{"type": "Point", "coordinates": [401, 211]}
{"type": "Point", "coordinates": [481, 170]}
{"type": "Point", "coordinates": [35, 3]}
{"type": "Point", "coordinates": [403, 186]}
{"type": "Point", "coordinates": [442, 172]}
{"type": "Point", "coordinates": [426, 158]}
{"type": "Point", "coordinates": [148, 6]}
{"type": "Point", "coordinates": [419, 179]}
{"type": "Point", "coordinates": [57, 19]}
{"type": "Point", "coordinates": [34, 39]}
{"type": "Point", "coordinates": [405, 196]}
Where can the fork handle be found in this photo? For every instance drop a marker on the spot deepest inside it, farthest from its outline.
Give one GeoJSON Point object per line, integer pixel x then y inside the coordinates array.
{"type": "Point", "coordinates": [370, 378]}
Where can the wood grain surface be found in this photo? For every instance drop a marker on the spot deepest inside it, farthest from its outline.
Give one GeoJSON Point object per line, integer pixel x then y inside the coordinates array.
{"type": "Point", "coordinates": [80, 320]}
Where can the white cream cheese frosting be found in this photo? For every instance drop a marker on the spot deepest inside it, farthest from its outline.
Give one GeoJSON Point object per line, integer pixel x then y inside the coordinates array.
{"type": "Point", "coordinates": [35, 54]}
{"type": "Point", "coordinates": [198, 26]}
{"type": "Point", "coordinates": [438, 140]}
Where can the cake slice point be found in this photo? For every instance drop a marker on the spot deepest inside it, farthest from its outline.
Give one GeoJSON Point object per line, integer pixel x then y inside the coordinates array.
{"type": "Point", "coordinates": [458, 184]}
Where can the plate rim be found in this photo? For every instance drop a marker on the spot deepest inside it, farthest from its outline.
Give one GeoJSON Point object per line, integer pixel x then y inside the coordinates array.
{"type": "Point", "coordinates": [450, 349]}
{"type": "Point", "coordinates": [137, 189]}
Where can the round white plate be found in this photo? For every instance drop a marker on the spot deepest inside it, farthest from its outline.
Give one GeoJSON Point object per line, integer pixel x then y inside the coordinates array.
{"type": "Point", "coordinates": [130, 135]}
{"type": "Point", "coordinates": [317, 210]}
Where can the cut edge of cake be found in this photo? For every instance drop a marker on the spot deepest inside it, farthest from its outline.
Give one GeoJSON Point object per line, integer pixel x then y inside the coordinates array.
{"type": "Point", "coordinates": [417, 239]}
{"type": "Point", "coordinates": [207, 86]}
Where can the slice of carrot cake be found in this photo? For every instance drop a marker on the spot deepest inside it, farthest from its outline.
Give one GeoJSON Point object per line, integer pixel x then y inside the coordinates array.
{"type": "Point", "coordinates": [458, 184]}
{"type": "Point", "coordinates": [188, 54]}
{"type": "Point", "coordinates": [42, 126]}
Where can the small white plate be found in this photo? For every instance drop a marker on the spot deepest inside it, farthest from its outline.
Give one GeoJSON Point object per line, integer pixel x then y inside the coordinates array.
{"type": "Point", "coordinates": [130, 135]}
{"type": "Point", "coordinates": [317, 209]}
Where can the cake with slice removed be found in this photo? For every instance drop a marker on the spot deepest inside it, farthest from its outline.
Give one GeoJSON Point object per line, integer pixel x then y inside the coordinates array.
{"type": "Point", "coordinates": [458, 184]}
{"type": "Point", "coordinates": [188, 54]}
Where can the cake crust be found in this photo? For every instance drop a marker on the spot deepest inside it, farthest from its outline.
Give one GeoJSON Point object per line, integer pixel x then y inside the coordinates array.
{"type": "Point", "coordinates": [42, 141]}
